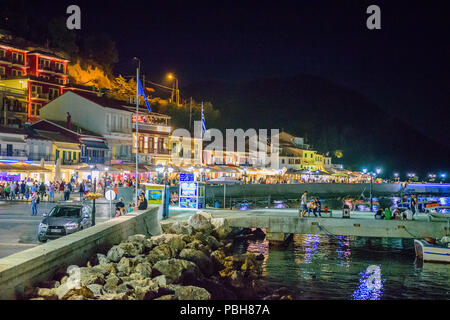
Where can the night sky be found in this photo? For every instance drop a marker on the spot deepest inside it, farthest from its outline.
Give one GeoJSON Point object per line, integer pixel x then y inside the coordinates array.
{"type": "Point", "coordinates": [403, 68]}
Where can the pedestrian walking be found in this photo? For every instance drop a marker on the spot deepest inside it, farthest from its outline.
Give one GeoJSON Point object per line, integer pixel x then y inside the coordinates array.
{"type": "Point", "coordinates": [34, 200]}
{"type": "Point", "coordinates": [304, 204]}
{"type": "Point", "coordinates": [413, 205]}
{"type": "Point", "coordinates": [51, 192]}
{"type": "Point", "coordinates": [81, 190]}
{"type": "Point", "coordinates": [66, 192]}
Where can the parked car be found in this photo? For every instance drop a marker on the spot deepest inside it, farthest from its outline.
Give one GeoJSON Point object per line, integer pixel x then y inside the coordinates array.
{"type": "Point", "coordinates": [64, 219]}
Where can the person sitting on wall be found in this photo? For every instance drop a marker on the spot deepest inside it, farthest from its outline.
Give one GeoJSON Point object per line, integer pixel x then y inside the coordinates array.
{"type": "Point", "coordinates": [379, 215]}
{"type": "Point", "coordinates": [120, 207]}
{"type": "Point", "coordinates": [142, 204]}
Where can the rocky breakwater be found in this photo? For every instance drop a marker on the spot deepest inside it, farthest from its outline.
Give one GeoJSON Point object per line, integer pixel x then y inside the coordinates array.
{"type": "Point", "coordinates": [192, 260]}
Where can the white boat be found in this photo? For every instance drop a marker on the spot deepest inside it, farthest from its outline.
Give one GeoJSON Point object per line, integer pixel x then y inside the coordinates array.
{"type": "Point", "coordinates": [432, 252]}
{"type": "Point", "coordinates": [442, 211]}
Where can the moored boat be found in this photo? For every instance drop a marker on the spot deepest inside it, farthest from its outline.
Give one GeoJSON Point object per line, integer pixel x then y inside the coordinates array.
{"type": "Point", "coordinates": [430, 252]}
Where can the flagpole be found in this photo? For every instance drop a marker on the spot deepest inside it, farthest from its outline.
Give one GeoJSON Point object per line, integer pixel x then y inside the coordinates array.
{"type": "Point", "coordinates": [201, 142]}
{"type": "Point", "coordinates": [137, 128]}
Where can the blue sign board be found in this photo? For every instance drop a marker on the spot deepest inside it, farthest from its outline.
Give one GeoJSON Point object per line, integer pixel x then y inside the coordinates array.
{"type": "Point", "coordinates": [186, 177]}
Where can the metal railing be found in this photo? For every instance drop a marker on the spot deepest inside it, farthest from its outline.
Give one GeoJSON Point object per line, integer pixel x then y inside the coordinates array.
{"type": "Point", "coordinates": [94, 160]}
{"type": "Point", "coordinates": [13, 153]}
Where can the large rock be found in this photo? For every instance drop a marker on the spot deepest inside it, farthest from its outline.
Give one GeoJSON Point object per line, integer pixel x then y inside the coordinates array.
{"type": "Point", "coordinates": [115, 254]}
{"type": "Point", "coordinates": [190, 293]}
{"type": "Point", "coordinates": [112, 281]}
{"type": "Point", "coordinates": [213, 243]}
{"type": "Point", "coordinates": [199, 223]}
{"type": "Point", "coordinates": [160, 252]}
{"type": "Point", "coordinates": [144, 269]}
{"type": "Point", "coordinates": [177, 270]}
{"type": "Point", "coordinates": [178, 227]}
{"type": "Point", "coordinates": [167, 297]}
{"type": "Point", "coordinates": [102, 259]}
{"type": "Point", "coordinates": [138, 238]}
{"type": "Point", "coordinates": [125, 249]}
{"type": "Point", "coordinates": [97, 289]}
{"type": "Point", "coordinates": [200, 259]}
{"type": "Point", "coordinates": [160, 280]}
{"type": "Point", "coordinates": [221, 229]}
{"type": "Point", "coordinates": [198, 245]}
{"type": "Point", "coordinates": [218, 259]}
{"type": "Point", "coordinates": [207, 215]}
{"type": "Point", "coordinates": [64, 292]}
{"type": "Point", "coordinates": [47, 294]}
{"type": "Point", "coordinates": [125, 266]}
{"type": "Point", "coordinates": [114, 296]}
{"type": "Point", "coordinates": [85, 276]}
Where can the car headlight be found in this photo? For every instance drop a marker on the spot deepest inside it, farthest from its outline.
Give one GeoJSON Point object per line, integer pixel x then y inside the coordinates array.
{"type": "Point", "coordinates": [71, 226]}
{"type": "Point", "coordinates": [43, 226]}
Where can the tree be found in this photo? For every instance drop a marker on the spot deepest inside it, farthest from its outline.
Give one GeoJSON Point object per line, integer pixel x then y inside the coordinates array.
{"type": "Point", "coordinates": [121, 89]}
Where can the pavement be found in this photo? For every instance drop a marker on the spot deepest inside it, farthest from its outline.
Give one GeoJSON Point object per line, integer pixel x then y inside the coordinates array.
{"type": "Point", "coordinates": [18, 228]}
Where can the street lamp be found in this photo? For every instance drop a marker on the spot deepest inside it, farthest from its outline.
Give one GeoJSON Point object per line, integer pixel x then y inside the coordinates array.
{"type": "Point", "coordinates": [94, 170]}
{"type": "Point", "coordinates": [371, 174]}
{"type": "Point", "coordinates": [105, 177]}
{"type": "Point", "coordinates": [171, 76]}
{"type": "Point", "coordinates": [396, 176]}
{"type": "Point", "coordinates": [137, 126]}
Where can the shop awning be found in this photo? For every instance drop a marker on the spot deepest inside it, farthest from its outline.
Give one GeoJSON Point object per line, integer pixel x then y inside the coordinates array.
{"type": "Point", "coordinates": [22, 167]}
{"type": "Point", "coordinates": [63, 146]}
{"type": "Point", "coordinates": [95, 145]}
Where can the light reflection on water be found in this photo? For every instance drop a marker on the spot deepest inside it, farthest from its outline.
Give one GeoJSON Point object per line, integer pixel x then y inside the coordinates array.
{"type": "Point", "coordinates": [335, 267]}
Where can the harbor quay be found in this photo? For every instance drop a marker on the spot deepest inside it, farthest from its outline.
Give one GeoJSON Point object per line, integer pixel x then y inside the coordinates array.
{"type": "Point", "coordinates": [279, 224]}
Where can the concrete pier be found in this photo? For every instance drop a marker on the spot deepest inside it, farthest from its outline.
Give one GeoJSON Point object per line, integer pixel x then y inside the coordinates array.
{"type": "Point", "coordinates": [278, 238]}
{"type": "Point", "coordinates": [287, 221]}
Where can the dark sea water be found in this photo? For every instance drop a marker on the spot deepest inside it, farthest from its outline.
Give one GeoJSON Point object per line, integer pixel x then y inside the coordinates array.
{"type": "Point", "coordinates": [336, 267]}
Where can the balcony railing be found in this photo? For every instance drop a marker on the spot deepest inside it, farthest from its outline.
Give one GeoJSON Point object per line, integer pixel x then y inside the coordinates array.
{"type": "Point", "coordinates": [152, 151]}
{"type": "Point", "coordinates": [8, 90]}
{"type": "Point", "coordinates": [94, 160]}
{"type": "Point", "coordinates": [13, 153]}
{"type": "Point", "coordinates": [39, 95]}
{"type": "Point", "coordinates": [5, 58]}
{"type": "Point", "coordinates": [18, 61]}
{"type": "Point", "coordinates": [51, 69]}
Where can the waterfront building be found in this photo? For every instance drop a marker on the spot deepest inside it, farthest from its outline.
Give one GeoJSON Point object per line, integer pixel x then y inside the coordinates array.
{"type": "Point", "coordinates": [39, 73]}
{"type": "Point", "coordinates": [13, 144]}
{"type": "Point", "coordinates": [115, 121]}
{"type": "Point", "coordinates": [91, 147]}
{"type": "Point", "coordinates": [185, 151]}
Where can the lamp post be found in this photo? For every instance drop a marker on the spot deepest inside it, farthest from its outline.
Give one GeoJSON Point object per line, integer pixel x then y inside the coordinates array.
{"type": "Point", "coordinates": [396, 177]}
{"type": "Point", "coordinates": [137, 125]}
{"type": "Point", "coordinates": [372, 174]}
{"type": "Point", "coordinates": [104, 182]}
{"type": "Point", "coordinates": [94, 179]}
{"type": "Point", "coordinates": [171, 76]}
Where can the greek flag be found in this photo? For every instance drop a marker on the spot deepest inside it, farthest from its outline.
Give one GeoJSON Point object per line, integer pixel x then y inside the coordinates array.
{"type": "Point", "coordinates": [142, 93]}
{"type": "Point", "coordinates": [203, 122]}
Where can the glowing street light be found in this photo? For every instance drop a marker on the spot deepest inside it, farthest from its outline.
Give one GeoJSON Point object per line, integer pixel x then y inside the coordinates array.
{"type": "Point", "coordinates": [175, 90]}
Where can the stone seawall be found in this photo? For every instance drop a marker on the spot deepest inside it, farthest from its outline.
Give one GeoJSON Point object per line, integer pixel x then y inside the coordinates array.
{"type": "Point", "coordinates": [21, 271]}
{"type": "Point", "coordinates": [293, 191]}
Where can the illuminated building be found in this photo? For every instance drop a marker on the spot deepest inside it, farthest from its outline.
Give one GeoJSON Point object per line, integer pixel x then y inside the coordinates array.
{"type": "Point", "coordinates": [38, 75]}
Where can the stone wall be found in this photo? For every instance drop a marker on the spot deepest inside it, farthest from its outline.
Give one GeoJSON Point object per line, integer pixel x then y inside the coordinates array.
{"type": "Point", "coordinates": [23, 270]}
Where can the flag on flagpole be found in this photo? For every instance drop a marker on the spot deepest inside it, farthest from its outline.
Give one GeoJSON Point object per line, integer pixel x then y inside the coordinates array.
{"type": "Point", "coordinates": [142, 93]}
{"type": "Point", "coordinates": [203, 122]}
